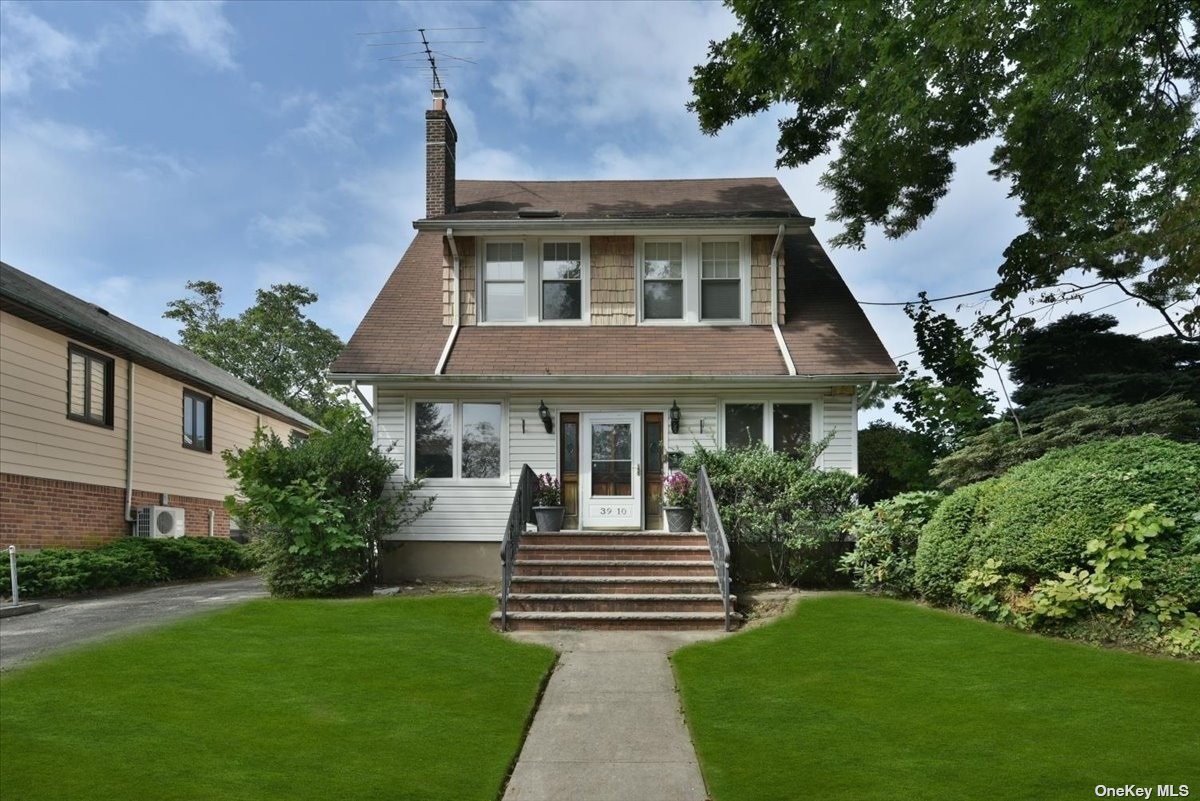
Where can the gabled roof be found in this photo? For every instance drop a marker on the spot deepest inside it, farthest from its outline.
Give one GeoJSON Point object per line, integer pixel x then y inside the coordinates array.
{"type": "Point", "coordinates": [29, 298]}
{"type": "Point", "coordinates": [826, 332]}
{"type": "Point", "coordinates": [664, 200]}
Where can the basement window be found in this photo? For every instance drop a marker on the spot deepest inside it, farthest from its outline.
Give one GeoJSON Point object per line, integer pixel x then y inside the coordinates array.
{"type": "Point", "coordinates": [89, 387]}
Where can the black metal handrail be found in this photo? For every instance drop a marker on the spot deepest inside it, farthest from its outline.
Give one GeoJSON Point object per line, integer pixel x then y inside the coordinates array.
{"type": "Point", "coordinates": [718, 545]}
{"type": "Point", "coordinates": [519, 516]}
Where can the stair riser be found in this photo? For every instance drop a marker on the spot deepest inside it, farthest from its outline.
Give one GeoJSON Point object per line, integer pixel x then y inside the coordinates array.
{"type": "Point", "coordinates": [617, 569]}
{"type": "Point", "coordinates": [659, 555]}
{"type": "Point", "coordinates": [694, 588]}
{"type": "Point", "coordinates": [616, 625]}
{"type": "Point", "coordinates": [599, 604]}
{"type": "Point", "coordinates": [534, 540]}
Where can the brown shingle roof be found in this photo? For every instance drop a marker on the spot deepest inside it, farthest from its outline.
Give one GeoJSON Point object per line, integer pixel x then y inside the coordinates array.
{"type": "Point", "coordinates": [739, 198]}
{"type": "Point", "coordinates": [826, 333]}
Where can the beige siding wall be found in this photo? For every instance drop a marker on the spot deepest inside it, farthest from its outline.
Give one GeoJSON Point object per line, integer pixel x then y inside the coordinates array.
{"type": "Point", "coordinates": [467, 267]}
{"type": "Point", "coordinates": [613, 283]}
{"type": "Point", "coordinates": [477, 512]}
{"type": "Point", "coordinates": [37, 439]}
{"type": "Point", "coordinates": [760, 280]}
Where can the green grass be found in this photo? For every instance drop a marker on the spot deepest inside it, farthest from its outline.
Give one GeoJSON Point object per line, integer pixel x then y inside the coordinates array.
{"type": "Point", "coordinates": [393, 698]}
{"type": "Point", "coordinates": [861, 698]}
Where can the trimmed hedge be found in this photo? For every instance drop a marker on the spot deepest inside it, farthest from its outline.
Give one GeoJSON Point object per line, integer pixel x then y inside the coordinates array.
{"type": "Point", "coordinates": [886, 536]}
{"type": "Point", "coordinates": [1038, 518]}
{"type": "Point", "coordinates": [127, 563]}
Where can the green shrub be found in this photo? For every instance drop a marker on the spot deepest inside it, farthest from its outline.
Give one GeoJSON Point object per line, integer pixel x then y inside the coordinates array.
{"type": "Point", "coordinates": [1037, 518]}
{"type": "Point", "coordinates": [884, 556]}
{"type": "Point", "coordinates": [127, 562]}
{"type": "Point", "coordinates": [781, 503]}
{"type": "Point", "coordinates": [321, 508]}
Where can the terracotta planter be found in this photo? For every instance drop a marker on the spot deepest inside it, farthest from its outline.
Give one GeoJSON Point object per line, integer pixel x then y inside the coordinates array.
{"type": "Point", "coordinates": [549, 518]}
{"type": "Point", "coordinates": [679, 518]}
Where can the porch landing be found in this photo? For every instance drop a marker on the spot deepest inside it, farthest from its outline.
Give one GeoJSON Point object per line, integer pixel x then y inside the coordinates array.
{"type": "Point", "coordinates": [648, 580]}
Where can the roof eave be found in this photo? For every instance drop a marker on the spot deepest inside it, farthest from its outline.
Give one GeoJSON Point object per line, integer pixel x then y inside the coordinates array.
{"type": "Point", "coordinates": [645, 381]}
{"type": "Point", "coordinates": [790, 223]}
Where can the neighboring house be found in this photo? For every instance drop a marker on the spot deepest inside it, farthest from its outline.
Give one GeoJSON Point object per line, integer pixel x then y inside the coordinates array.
{"type": "Point", "coordinates": [100, 418]}
{"type": "Point", "coordinates": [589, 329]}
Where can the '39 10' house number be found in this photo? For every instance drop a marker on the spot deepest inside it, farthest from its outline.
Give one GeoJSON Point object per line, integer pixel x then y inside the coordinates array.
{"type": "Point", "coordinates": [613, 510]}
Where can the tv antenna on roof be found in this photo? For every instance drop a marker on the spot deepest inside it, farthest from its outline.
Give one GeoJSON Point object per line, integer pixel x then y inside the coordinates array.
{"type": "Point", "coordinates": [426, 59]}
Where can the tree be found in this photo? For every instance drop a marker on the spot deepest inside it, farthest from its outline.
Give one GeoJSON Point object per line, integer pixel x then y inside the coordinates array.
{"type": "Point", "coordinates": [893, 460]}
{"type": "Point", "coordinates": [271, 346]}
{"type": "Point", "coordinates": [1092, 108]}
{"type": "Point", "coordinates": [1079, 360]}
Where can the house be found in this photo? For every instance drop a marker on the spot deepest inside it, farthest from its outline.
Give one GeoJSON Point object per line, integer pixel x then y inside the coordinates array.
{"type": "Point", "coordinates": [590, 329]}
{"type": "Point", "coordinates": [100, 419]}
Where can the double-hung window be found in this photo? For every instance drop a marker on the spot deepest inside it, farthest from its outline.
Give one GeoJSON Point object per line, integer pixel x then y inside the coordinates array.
{"type": "Point", "coordinates": [504, 282]}
{"type": "Point", "coordinates": [720, 281]}
{"type": "Point", "coordinates": [89, 387]}
{"type": "Point", "coordinates": [662, 280]}
{"type": "Point", "coordinates": [562, 281]}
{"type": "Point", "coordinates": [197, 421]}
{"type": "Point", "coordinates": [786, 426]}
{"type": "Point", "coordinates": [457, 439]}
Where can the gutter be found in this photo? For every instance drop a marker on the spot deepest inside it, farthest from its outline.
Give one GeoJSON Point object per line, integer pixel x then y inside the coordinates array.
{"type": "Point", "coordinates": [441, 365]}
{"type": "Point", "coordinates": [614, 224]}
{"type": "Point", "coordinates": [610, 383]}
{"type": "Point", "coordinates": [129, 441]}
{"type": "Point", "coordinates": [783, 349]}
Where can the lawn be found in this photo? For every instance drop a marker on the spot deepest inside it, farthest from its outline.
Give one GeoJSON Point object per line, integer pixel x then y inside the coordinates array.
{"type": "Point", "coordinates": [397, 698]}
{"type": "Point", "coordinates": [852, 697]}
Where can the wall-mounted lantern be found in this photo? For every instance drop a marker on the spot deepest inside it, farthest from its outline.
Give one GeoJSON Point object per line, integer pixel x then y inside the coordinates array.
{"type": "Point", "coordinates": [547, 419]}
{"type": "Point", "coordinates": [675, 415]}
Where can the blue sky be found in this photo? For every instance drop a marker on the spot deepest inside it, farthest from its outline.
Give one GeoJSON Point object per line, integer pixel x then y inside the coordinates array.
{"type": "Point", "coordinates": [146, 144]}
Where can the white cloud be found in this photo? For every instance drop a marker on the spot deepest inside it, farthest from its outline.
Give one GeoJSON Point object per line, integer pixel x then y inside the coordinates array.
{"type": "Point", "coordinates": [199, 28]}
{"type": "Point", "coordinates": [32, 51]}
{"type": "Point", "coordinates": [292, 228]}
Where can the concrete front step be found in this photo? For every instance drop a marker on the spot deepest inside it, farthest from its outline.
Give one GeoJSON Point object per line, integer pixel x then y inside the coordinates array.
{"type": "Point", "coordinates": [606, 585]}
{"type": "Point", "coordinates": [609, 567]}
{"type": "Point", "coordinates": [615, 602]}
{"type": "Point", "coordinates": [645, 621]}
{"type": "Point", "coordinates": [613, 538]}
{"type": "Point", "coordinates": [652, 552]}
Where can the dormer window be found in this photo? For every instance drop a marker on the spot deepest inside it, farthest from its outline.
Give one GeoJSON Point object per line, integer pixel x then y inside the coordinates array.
{"type": "Point", "coordinates": [562, 281]}
{"type": "Point", "coordinates": [662, 280]}
{"type": "Point", "coordinates": [720, 281]}
{"type": "Point", "coordinates": [504, 282]}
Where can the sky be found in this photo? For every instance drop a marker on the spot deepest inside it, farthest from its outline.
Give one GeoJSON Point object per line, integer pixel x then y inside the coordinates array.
{"type": "Point", "coordinates": [143, 145]}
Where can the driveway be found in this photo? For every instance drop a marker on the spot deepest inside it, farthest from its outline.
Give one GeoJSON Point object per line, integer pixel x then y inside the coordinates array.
{"type": "Point", "coordinates": [62, 624]}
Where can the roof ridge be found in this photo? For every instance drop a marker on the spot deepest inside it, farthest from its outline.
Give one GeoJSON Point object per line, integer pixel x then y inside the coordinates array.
{"type": "Point", "coordinates": [614, 180]}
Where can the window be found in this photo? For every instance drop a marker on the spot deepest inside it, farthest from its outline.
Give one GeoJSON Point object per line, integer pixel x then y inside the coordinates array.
{"type": "Point", "coordinates": [504, 282]}
{"type": "Point", "coordinates": [197, 421]}
{"type": "Point", "coordinates": [720, 281]}
{"type": "Point", "coordinates": [787, 427]}
{"type": "Point", "coordinates": [458, 440]}
{"type": "Point", "coordinates": [792, 426]}
{"type": "Point", "coordinates": [662, 280]}
{"type": "Point", "coordinates": [562, 281]}
{"type": "Point", "coordinates": [743, 424]}
{"type": "Point", "coordinates": [89, 387]}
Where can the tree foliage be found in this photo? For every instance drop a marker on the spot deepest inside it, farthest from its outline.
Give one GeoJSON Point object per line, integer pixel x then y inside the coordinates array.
{"type": "Point", "coordinates": [272, 345]}
{"type": "Point", "coordinates": [892, 460]}
{"type": "Point", "coordinates": [1079, 360]}
{"type": "Point", "coordinates": [1091, 109]}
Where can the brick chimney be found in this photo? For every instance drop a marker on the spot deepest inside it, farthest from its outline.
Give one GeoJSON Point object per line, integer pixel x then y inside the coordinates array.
{"type": "Point", "coordinates": [440, 141]}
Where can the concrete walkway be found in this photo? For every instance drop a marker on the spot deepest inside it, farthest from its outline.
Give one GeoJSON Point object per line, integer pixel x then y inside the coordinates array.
{"type": "Point", "coordinates": [609, 727]}
{"type": "Point", "coordinates": [62, 624]}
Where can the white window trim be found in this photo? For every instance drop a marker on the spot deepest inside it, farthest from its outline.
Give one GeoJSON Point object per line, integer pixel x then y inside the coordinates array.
{"type": "Point", "coordinates": [816, 429]}
{"type": "Point", "coordinates": [585, 280]}
{"type": "Point", "coordinates": [691, 279]}
{"type": "Point", "coordinates": [457, 479]}
{"type": "Point", "coordinates": [481, 282]}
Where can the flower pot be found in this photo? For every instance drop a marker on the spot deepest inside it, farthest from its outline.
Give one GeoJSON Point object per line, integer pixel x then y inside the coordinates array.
{"type": "Point", "coordinates": [549, 518]}
{"type": "Point", "coordinates": [679, 518]}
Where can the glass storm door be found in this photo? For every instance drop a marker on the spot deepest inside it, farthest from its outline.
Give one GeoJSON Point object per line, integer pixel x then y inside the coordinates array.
{"type": "Point", "coordinates": [611, 471]}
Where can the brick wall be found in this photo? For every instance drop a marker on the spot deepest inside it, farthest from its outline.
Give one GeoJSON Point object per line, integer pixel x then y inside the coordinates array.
{"type": "Point", "coordinates": [440, 142]}
{"type": "Point", "coordinates": [45, 513]}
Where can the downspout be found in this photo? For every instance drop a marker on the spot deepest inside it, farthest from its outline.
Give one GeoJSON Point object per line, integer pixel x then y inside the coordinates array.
{"type": "Point", "coordinates": [129, 518]}
{"type": "Point", "coordinates": [441, 365]}
{"type": "Point", "coordinates": [783, 349]}
{"type": "Point", "coordinates": [361, 397]}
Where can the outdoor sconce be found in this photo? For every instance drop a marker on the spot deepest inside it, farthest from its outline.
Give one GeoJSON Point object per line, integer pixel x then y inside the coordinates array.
{"type": "Point", "coordinates": [675, 415]}
{"type": "Point", "coordinates": [547, 420]}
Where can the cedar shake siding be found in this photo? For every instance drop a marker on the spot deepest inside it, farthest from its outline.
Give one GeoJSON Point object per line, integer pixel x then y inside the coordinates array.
{"type": "Point", "coordinates": [466, 262]}
{"type": "Point", "coordinates": [613, 283]}
{"type": "Point", "coordinates": [760, 280]}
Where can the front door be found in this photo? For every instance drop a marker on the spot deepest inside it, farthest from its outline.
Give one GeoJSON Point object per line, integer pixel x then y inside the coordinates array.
{"type": "Point", "coordinates": [610, 469]}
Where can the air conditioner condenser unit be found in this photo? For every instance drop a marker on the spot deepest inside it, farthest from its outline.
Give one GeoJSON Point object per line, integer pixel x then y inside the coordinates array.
{"type": "Point", "coordinates": [159, 521]}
